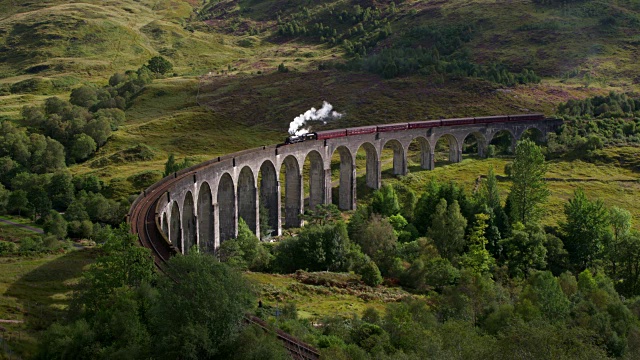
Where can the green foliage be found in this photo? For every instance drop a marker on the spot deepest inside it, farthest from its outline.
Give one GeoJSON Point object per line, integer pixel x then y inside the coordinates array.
{"type": "Point", "coordinates": [183, 325]}
{"type": "Point", "coordinates": [584, 229]}
{"type": "Point", "coordinates": [35, 153]}
{"type": "Point", "coordinates": [426, 273]}
{"type": "Point", "coordinates": [489, 202]}
{"type": "Point", "coordinates": [407, 200]}
{"type": "Point", "coordinates": [544, 292]}
{"type": "Point", "coordinates": [322, 214]}
{"type": "Point", "coordinates": [447, 229]}
{"type": "Point", "coordinates": [378, 240]}
{"type": "Point", "coordinates": [245, 251]}
{"type": "Point", "coordinates": [525, 249]}
{"type": "Point", "coordinates": [171, 166]}
{"type": "Point", "coordinates": [282, 68]}
{"type": "Point", "coordinates": [82, 147]}
{"type": "Point", "coordinates": [583, 138]}
{"type": "Point", "coordinates": [430, 198]}
{"type": "Point", "coordinates": [478, 259]}
{"type": "Point", "coordinates": [18, 203]}
{"type": "Point", "coordinates": [254, 343]}
{"type": "Point", "coordinates": [144, 179]}
{"type": "Point", "coordinates": [385, 201]}
{"type": "Point", "coordinates": [529, 189]}
{"type": "Point", "coordinates": [60, 190]}
{"type": "Point", "coordinates": [316, 248]}
{"type": "Point", "coordinates": [55, 224]}
{"type": "Point", "coordinates": [370, 273]}
{"type": "Point", "coordinates": [159, 65]}
{"type": "Point", "coordinates": [124, 264]}
{"type": "Point", "coordinates": [4, 198]}
{"type": "Point", "coordinates": [613, 105]}
{"type": "Point", "coordinates": [34, 85]}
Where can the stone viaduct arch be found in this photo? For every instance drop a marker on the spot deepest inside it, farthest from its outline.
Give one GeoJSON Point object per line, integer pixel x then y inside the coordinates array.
{"type": "Point", "coordinates": [248, 199]}
{"type": "Point", "coordinates": [399, 156]}
{"type": "Point", "coordinates": [188, 223]}
{"type": "Point", "coordinates": [227, 214]}
{"type": "Point", "coordinates": [201, 205]}
{"type": "Point", "coordinates": [270, 195]}
{"type": "Point", "coordinates": [206, 221]}
{"type": "Point", "coordinates": [293, 192]}
{"type": "Point", "coordinates": [175, 231]}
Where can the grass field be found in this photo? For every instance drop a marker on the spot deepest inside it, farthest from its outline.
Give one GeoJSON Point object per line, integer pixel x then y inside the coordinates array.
{"type": "Point", "coordinates": [13, 233]}
{"type": "Point", "coordinates": [316, 301]}
{"type": "Point", "coordinates": [615, 185]}
{"type": "Point", "coordinates": [34, 291]}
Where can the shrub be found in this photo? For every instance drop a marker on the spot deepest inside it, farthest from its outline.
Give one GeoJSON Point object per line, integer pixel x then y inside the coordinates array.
{"type": "Point", "coordinates": [145, 179]}
{"type": "Point", "coordinates": [491, 151]}
{"type": "Point", "coordinates": [370, 274]}
{"type": "Point", "coordinates": [32, 86]}
{"type": "Point", "coordinates": [7, 248]}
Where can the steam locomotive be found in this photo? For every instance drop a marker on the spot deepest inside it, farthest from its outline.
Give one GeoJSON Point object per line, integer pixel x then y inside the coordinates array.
{"type": "Point", "coordinates": [330, 134]}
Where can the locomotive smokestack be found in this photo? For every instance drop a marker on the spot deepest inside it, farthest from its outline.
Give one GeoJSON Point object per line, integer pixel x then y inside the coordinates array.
{"type": "Point", "coordinates": [299, 125]}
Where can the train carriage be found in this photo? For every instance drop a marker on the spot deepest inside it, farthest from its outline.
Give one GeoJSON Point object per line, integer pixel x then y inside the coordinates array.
{"type": "Point", "coordinates": [457, 121]}
{"type": "Point", "coordinates": [361, 130]}
{"type": "Point", "coordinates": [491, 119]}
{"type": "Point", "coordinates": [526, 117]}
{"type": "Point", "coordinates": [425, 124]}
{"type": "Point", "coordinates": [331, 134]}
{"type": "Point", "coordinates": [393, 127]}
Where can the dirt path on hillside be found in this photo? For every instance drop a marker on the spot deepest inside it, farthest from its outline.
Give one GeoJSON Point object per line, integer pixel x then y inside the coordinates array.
{"type": "Point", "coordinates": [27, 227]}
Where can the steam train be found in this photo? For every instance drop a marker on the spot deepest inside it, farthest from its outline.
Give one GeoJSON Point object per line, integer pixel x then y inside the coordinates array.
{"type": "Point", "coordinates": [330, 134]}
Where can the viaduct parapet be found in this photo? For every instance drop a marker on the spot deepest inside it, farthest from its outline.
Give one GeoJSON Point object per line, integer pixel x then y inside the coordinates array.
{"type": "Point", "coordinates": [201, 205]}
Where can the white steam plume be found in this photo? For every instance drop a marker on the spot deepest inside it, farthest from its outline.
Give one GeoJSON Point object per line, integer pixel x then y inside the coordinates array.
{"type": "Point", "coordinates": [298, 125]}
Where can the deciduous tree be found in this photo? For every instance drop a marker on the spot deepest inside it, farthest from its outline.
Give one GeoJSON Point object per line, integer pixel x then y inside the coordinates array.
{"type": "Point", "coordinates": [584, 228]}
{"type": "Point", "coordinates": [200, 307]}
{"type": "Point", "coordinates": [159, 65]}
{"type": "Point", "coordinates": [529, 189]}
{"type": "Point", "coordinates": [447, 229]}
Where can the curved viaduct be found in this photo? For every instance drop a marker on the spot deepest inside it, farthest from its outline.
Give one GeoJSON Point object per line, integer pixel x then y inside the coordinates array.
{"type": "Point", "coordinates": [201, 205]}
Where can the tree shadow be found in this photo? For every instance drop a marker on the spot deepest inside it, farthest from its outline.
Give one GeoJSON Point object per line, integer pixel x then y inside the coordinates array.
{"type": "Point", "coordinates": [44, 292]}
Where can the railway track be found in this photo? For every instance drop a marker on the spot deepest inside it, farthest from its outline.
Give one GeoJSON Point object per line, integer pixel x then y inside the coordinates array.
{"type": "Point", "coordinates": [142, 220]}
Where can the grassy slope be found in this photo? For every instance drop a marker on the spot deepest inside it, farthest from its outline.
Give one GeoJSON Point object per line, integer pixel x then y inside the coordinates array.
{"type": "Point", "coordinates": [615, 185]}
{"type": "Point", "coordinates": [89, 38]}
{"type": "Point", "coordinates": [315, 301]}
{"type": "Point", "coordinates": [35, 290]}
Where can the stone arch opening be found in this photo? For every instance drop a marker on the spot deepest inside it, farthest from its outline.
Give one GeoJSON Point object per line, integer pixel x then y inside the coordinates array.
{"type": "Point", "coordinates": [227, 205]}
{"type": "Point", "coordinates": [504, 142]}
{"type": "Point", "coordinates": [315, 188]}
{"type": "Point", "coordinates": [475, 144]}
{"type": "Point", "coordinates": [446, 150]}
{"type": "Point", "coordinates": [175, 235]}
{"type": "Point", "coordinates": [399, 156]}
{"type": "Point", "coordinates": [419, 154]}
{"type": "Point", "coordinates": [343, 165]}
{"type": "Point", "coordinates": [189, 223]}
{"type": "Point", "coordinates": [247, 199]}
{"type": "Point", "coordinates": [534, 134]}
{"type": "Point", "coordinates": [269, 199]}
{"type": "Point", "coordinates": [165, 224]}
{"type": "Point", "coordinates": [293, 193]}
{"type": "Point", "coordinates": [206, 222]}
{"type": "Point", "coordinates": [367, 158]}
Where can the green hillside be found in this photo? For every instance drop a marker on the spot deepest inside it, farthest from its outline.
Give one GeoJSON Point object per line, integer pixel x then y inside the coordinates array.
{"type": "Point", "coordinates": [375, 61]}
